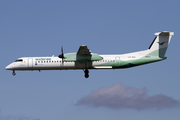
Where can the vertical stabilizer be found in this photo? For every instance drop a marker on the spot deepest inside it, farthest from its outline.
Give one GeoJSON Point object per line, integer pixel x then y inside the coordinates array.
{"type": "Point", "coordinates": [160, 43]}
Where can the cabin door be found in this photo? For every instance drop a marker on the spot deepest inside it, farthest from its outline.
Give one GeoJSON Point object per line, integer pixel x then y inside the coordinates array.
{"type": "Point", "coordinates": [30, 63]}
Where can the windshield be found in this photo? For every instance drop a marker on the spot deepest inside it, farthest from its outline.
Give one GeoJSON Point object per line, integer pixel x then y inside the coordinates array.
{"type": "Point", "coordinates": [19, 60]}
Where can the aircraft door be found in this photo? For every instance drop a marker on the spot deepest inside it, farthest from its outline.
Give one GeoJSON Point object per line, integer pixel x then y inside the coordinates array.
{"type": "Point", "coordinates": [117, 59]}
{"type": "Point", "coordinates": [30, 63]}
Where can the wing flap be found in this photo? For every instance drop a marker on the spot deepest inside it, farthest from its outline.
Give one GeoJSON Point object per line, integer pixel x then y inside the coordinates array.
{"type": "Point", "coordinates": [103, 67]}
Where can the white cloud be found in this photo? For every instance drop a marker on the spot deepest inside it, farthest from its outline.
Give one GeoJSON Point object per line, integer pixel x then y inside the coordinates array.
{"type": "Point", "coordinates": [118, 97]}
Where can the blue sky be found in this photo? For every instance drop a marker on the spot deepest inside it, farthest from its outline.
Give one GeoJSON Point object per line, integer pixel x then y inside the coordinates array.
{"type": "Point", "coordinates": [40, 28]}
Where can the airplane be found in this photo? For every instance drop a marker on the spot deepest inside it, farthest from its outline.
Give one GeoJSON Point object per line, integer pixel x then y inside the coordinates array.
{"type": "Point", "coordinates": [85, 60]}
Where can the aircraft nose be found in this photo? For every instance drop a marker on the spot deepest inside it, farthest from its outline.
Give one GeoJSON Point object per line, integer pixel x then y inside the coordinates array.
{"type": "Point", "coordinates": [9, 67]}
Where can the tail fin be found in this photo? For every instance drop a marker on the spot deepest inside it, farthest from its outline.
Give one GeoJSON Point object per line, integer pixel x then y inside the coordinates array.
{"type": "Point", "coordinates": [160, 43]}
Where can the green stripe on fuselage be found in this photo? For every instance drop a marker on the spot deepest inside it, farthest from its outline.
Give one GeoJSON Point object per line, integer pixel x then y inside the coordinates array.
{"type": "Point", "coordinates": [154, 56]}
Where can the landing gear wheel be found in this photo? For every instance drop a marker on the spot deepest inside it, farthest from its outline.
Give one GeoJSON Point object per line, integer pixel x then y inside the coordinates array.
{"type": "Point", "coordinates": [86, 73]}
{"type": "Point", "coordinates": [13, 73]}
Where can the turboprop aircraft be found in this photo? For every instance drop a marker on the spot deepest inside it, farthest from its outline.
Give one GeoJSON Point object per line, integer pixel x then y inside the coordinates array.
{"type": "Point", "coordinates": [85, 60]}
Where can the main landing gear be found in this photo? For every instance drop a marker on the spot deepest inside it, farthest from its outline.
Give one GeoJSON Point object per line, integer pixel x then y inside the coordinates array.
{"type": "Point", "coordinates": [86, 71]}
{"type": "Point", "coordinates": [13, 73]}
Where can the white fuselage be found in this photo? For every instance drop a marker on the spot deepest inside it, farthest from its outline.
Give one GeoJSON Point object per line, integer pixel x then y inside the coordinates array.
{"type": "Point", "coordinates": [55, 63]}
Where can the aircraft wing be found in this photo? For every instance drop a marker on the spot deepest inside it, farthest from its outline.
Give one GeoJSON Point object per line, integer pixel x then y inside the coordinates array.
{"type": "Point", "coordinates": [83, 50]}
{"type": "Point", "coordinates": [83, 55]}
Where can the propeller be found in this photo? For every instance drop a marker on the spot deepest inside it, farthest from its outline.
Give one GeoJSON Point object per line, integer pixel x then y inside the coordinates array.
{"type": "Point", "coordinates": [62, 55]}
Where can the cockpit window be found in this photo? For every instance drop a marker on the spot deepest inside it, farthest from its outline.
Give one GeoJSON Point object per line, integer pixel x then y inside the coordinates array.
{"type": "Point", "coordinates": [19, 60]}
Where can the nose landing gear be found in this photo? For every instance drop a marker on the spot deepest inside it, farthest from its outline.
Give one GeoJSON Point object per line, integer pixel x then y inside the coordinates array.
{"type": "Point", "coordinates": [13, 73]}
{"type": "Point", "coordinates": [86, 71]}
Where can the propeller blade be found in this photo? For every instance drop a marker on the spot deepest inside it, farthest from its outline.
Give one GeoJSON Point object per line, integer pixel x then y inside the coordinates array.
{"type": "Point", "coordinates": [61, 49]}
{"type": "Point", "coordinates": [62, 55]}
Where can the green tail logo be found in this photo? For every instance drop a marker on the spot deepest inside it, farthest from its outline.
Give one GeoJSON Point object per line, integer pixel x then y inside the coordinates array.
{"type": "Point", "coordinates": [161, 43]}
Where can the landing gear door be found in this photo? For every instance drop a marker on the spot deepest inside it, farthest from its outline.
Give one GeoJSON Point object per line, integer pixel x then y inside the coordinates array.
{"type": "Point", "coordinates": [30, 63]}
